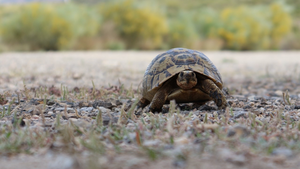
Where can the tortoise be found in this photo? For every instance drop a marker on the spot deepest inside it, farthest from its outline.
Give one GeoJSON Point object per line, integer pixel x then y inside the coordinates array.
{"type": "Point", "coordinates": [183, 75]}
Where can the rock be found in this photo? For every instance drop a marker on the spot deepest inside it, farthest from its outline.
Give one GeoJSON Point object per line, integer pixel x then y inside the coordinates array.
{"type": "Point", "coordinates": [83, 104]}
{"type": "Point", "coordinates": [151, 142]}
{"type": "Point", "coordinates": [64, 162]}
{"type": "Point", "coordinates": [287, 107]}
{"type": "Point", "coordinates": [63, 109]}
{"type": "Point", "coordinates": [185, 112]}
{"type": "Point", "coordinates": [77, 76]}
{"type": "Point", "coordinates": [238, 159]}
{"type": "Point", "coordinates": [252, 98]}
{"type": "Point", "coordinates": [50, 102]}
{"type": "Point", "coordinates": [258, 111]}
{"type": "Point", "coordinates": [36, 101]}
{"type": "Point", "coordinates": [182, 140]}
{"type": "Point", "coordinates": [22, 121]}
{"type": "Point", "coordinates": [278, 93]}
{"type": "Point", "coordinates": [206, 108]}
{"type": "Point", "coordinates": [179, 163]}
{"type": "Point", "coordinates": [237, 109]}
{"type": "Point", "coordinates": [5, 107]}
{"type": "Point", "coordinates": [35, 117]}
{"type": "Point", "coordinates": [238, 114]}
{"type": "Point", "coordinates": [247, 107]}
{"type": "Point", "coordinates": [73, 119]}
{"type": "Point", "coordinates": [86, 109]}
{"type": "Point", "coordinates": [280, 159]}
{"type": "Point", "coordinates": [106, 120]}
{"type": "Point", "coordinates": [229, 156]}
{"type": "Point", "coordinates": [205, 126]}
{"type": "Point", "coordinates": [282, 151]}
{"type": "Point", "coordinates": [240, 97]}
{"type": "Point", "coordinates": [238, 131]}
{"type": "Point", "coordinates": [124, 101]}
{"type": "Point", "coordinates": [103, 109]}
{"type": "Point", "coordinates": [107, 105]}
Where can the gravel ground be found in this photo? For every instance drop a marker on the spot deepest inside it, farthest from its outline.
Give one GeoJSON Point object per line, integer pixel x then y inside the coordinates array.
{"type": "Point", "coordinates": [81, 68]}
{"type": "Point", "coordinates": [256, 81]}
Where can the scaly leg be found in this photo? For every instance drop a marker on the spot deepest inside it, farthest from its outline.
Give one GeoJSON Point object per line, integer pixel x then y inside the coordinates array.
{"type": "Point", "coordinates": [142, 103]}
{"type": "Point", "coordinates": [160, 98]}
{"type": "Point", "coordinates": [210, 88]}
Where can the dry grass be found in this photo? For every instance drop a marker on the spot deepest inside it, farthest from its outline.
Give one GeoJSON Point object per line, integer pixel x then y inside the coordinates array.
{"type": "Point", "coordinates": [36, 121]}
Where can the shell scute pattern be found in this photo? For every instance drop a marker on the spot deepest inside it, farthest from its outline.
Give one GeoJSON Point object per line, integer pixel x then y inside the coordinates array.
{"type": "Point", "coordinates": [205, 72]}
{"type": "Point", "coordinates": [167, 74]}
{"type": "Point", "coordinates": [184, 60]}
{"type": "Point", "coordinates": [166, 65]}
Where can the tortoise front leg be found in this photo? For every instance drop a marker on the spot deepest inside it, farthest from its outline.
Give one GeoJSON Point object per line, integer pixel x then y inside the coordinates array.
{"type": "Point", "coordinates": [210, 88]}
{"type": "Point", "coordinates": [160, 98]}
{"type": "Point", "coordinates": [143, 103]}
{"type": "Point", "coordinates": [158, 101]}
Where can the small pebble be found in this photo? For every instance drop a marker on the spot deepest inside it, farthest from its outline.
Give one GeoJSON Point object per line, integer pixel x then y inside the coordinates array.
{"type": "Point", "coordinates": [282, 151]}
{"type": "Point", "coordinates": [86, 109]}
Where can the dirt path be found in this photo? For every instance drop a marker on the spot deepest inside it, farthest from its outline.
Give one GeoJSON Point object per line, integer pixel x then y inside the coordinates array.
{"type": "Point", "coordinates": [81, 68]}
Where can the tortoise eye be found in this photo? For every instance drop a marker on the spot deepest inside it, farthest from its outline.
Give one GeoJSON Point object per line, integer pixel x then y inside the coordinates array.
{"type": "Point", "coordinates": [180, 74]}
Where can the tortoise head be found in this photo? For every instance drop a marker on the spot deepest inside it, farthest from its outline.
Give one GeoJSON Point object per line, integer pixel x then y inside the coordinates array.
{"type": "Point", "coordinates": [186, 79]}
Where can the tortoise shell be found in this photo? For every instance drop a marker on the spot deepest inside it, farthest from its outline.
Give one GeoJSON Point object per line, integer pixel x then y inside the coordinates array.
{"type": "Point", "coordinates": [168, 64]}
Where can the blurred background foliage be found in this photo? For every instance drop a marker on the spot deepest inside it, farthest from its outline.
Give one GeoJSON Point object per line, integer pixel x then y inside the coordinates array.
{"type": "Point", "coordinates": [151, 25]}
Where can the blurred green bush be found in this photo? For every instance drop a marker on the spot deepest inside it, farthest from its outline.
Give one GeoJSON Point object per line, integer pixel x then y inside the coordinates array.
{"type": "Point", "coordinates": [38, 27]}
{"type": "Point", "coordinates": [48, 27]}
{"type": "Point", "coordinates": [137, 25]}
{"type": "Point", "coordinates": [281, 22]}
{"type": "Point", "coordinates": [254, 28]}
{"type": "Point", "coordinates": [83, 19]}
{"type": "Point", "coordinates": [244, 28]}
{"type": "Point", "coordinates": [133, 24]}
{"type": "Point", "coordinates": [84, 22]}
{"type": "Point", "coordinates": [181, 31]}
